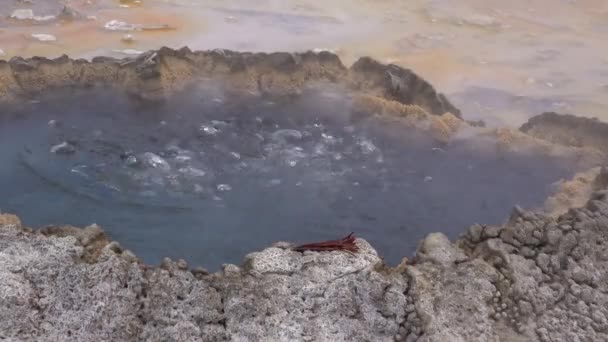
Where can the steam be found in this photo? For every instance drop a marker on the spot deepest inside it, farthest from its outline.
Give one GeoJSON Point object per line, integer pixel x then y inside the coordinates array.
{"type": "Point", "coordinates": [210, 179]}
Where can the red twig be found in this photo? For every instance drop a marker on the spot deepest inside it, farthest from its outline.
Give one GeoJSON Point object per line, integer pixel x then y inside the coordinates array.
{"type": "Point", "coordinates": [346, 244]}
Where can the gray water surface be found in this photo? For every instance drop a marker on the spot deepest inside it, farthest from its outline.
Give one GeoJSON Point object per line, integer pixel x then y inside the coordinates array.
{"type": "Point", "coordinates": [209, 178]}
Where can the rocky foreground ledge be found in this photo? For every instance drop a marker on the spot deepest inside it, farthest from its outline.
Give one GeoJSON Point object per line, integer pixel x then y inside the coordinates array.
{"type": "Point", "coordinates": [537, 278]}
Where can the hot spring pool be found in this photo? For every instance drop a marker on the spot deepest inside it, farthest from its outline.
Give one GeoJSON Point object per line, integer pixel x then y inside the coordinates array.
{"type": "Point", "coordinates": [209, 178]}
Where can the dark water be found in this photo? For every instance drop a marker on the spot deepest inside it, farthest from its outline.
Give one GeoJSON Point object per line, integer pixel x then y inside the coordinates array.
{"type": "Point", "coordinates": [209, 178]}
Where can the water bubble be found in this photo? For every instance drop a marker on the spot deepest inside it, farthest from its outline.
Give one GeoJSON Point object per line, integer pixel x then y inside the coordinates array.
{"type": "Point", "coordinates": [173, 180]}
{"type": "Point", "coordinates": [349, 129]}
{"type": "Point", "coordinates": [209, 130]}
{"type": "Point", "coordinates": [63, 148]}
{"type": "Point", "coordinates": [287, 135]}
{"type": "Point", "coordinates": [192, 171]}
{"type": "Point", "coordinates": [78, 170]}
{"type": "Point", "coordinates": [155, 161]}
{"type": "Point", "coordinates": [131, 161]}
{"type": "Point", "coordinates": [182, 158]}
{"type": "Point", "coordinates": [320, 149]}
{"type": "Point", "coordinates": [330, 139]}
{"type": "Point", "coordinates": [366, 145]}
{"type": "Point", "coordinates": [111, 187]}
{"type": "Point", "coordinates": [274, 182]}
{"type": "Point", "coordinates": [224, 187]}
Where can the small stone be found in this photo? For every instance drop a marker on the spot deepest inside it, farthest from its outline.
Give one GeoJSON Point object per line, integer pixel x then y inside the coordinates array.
{"type": "Point", "coordinates": [199, 272]}
{"type": "Point", "coordinates": [9, 220]}
{"type": "Point", "coordinates": [231, 270]}
{"type": "Point", "coordinates": [129, 256]}
{"type": "Point", "coordinates": [182, 264]}
{"type": "Point", "coordinates": [412, 338]}
{"type": "Point", "coordinates": [114, 247]}
{"type": "Point", "coordinates": [475, 232]}
{"type": "Point", "coordinates": [491, 231]}
{"type": "Point", "coordinates": [166, 263]}
{"type": "Point", "coordinates": [90, 234]}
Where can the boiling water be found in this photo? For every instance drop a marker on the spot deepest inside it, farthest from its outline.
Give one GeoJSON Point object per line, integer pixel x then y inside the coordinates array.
{"type": "Point", "coordinates": [209, 177]}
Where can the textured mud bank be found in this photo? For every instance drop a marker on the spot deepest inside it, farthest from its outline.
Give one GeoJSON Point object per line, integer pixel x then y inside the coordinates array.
{"type": "Point", "coordinates": [539, 277]}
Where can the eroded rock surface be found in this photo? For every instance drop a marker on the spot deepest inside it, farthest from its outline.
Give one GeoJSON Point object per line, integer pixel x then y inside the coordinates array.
{"type": "Point", "coordinates": [155, 75]}
{"type": "Point", "coordinates": [536, 278]}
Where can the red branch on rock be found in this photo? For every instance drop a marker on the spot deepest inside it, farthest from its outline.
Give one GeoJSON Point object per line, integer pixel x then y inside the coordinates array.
{"type": "Point", "coordinates": [346, 244]}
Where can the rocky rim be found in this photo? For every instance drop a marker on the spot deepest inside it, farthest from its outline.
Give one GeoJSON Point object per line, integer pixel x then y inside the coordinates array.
{"type": "Point", "coordinates": [540, 277]}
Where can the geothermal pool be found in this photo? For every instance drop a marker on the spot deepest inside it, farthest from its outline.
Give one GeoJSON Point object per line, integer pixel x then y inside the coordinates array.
{"type": "Point", "coordinates": [208, 177]}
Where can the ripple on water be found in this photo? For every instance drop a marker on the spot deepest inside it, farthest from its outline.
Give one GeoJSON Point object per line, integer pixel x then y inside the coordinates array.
{"type": "Point", "coordinates": [268, 174]}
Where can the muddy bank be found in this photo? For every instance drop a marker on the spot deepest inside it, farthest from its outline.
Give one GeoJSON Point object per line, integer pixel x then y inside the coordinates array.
{"type": "Point", "coordinates": [536, 278]}
{"type": "Point", "coordinates": [155, 75]}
